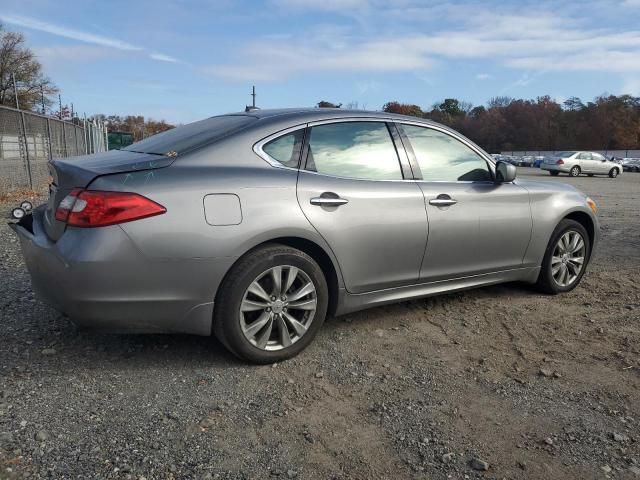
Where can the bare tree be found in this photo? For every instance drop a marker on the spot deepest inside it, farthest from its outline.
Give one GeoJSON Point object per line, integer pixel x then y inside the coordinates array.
{"type": "Point", "coordinates": [19, 61]}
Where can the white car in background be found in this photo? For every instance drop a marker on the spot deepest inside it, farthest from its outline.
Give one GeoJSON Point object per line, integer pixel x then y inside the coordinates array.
{"type": "Point", "coordinates": [575, 163]}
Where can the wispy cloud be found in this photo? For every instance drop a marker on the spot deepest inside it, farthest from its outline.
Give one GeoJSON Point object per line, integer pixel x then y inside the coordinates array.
{"type": "Point", "coordinates": [80, 36]}
{"type": "Point", "coordinates": [483, 76]}
{"type": "Point", "coordinates": [34, 24]}
{"type": "Point", "coordinates": [332, 5]}
{"type": "Point", "coordinates": [538, 40]}
{"type": "Point", "coordinates": [163, 58]}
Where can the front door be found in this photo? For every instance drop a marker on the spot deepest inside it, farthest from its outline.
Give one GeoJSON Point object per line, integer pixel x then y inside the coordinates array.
{"type": "Point", "coordinates": [476, 226]}
{"type": "Point", "coordinates": [353, 192]}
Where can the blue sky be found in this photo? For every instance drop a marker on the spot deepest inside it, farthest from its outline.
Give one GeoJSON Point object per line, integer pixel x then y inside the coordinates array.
{"type": "Point", "coordinates": [183, 60]}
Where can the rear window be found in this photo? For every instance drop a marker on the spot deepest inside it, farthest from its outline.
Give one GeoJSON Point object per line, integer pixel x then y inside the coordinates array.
{"type": "Point", "coordinates": [192, 136]}
{"type": "Point", "coordinates": [564, 154]}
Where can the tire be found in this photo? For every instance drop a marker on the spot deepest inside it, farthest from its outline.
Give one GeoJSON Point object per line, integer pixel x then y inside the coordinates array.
{"type": "Point", "coordinates": [575, 171]}
{"type": "Point", "coordinates": [613, 173]}
{"type": "Point", "coordinates": [554, 173]}
{"type": "Point", "coordinates": [547, 283]}
{"type": "Point", "coordinates": [589, 174]}
{"type": "Point", "coordinates": [230, 323]}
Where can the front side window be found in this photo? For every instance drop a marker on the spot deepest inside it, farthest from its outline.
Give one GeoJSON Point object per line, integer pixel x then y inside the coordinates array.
{"type": "Point", "coordinates": [285, 149]}
{"type": "Point", "coordinates": [597, 156]}
{"type": "Point", "coordinates": [443, 158]}
{"type": "Point", "coordinates": [361, 150]}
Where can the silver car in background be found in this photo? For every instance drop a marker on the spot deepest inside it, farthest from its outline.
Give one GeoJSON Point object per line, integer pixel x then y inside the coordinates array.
{"type": "Point", "coordinates": [256, 226]}
{"type": "Point", "coordinates": [576, 163]}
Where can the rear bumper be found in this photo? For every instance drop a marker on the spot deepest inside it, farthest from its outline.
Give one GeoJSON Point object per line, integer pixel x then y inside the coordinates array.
{"type": "Point", "coordinates": [101, 280]}
{"type": "Point", "coordinates": [552, 167]}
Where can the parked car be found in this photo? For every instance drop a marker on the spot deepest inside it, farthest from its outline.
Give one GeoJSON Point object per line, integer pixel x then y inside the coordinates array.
{"type": "Point", "coordinates": [538, 160]}
{"type": "Point", "coordinates": [256, 226]}
{"type": "Point", "coordinates": [576, 163]}
{"type": "Point", "coordinates": [630, 164]}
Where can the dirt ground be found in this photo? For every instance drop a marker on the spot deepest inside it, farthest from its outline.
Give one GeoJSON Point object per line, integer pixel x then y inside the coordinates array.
{"type": "Point", "coordinates": [503, 378]}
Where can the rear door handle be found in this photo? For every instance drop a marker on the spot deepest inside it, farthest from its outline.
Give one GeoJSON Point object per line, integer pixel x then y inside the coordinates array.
{"type": "Point", "coordinates": [442, 200]}
{"type": "Point", "coordinates": [328, 201]}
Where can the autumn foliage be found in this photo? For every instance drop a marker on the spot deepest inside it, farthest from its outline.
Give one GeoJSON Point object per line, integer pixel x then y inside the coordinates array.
{"type": "Point", "coordinates": [609, 122]}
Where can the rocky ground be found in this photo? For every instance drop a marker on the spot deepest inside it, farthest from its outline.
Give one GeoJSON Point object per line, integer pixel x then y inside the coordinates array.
{"type": "Point", "coordinates": [500, 382]}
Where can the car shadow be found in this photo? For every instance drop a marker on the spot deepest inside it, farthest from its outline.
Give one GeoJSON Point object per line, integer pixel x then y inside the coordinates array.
{"type": "Point", "coordinates": [52, 342]}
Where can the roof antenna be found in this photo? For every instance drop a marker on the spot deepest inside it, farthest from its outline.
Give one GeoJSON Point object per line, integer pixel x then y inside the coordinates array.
{"type": "Point", "coordinates": [252, 107]}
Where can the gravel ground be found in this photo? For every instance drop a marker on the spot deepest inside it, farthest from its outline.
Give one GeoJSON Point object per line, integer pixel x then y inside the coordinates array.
{"type": "Point", "coordinates": [500, 382]}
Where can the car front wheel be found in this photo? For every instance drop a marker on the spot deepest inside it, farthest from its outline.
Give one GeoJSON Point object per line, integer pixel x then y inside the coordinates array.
{"type": "Point", "coordinates": [565, 259]}
{"type": "Point", "coordinates": [613, 173]}
{"type": "Point", "coordinates": [271, 304]}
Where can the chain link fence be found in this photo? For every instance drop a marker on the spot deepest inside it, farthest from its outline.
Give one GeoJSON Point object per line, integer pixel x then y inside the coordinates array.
{"type": "Point", "coordinates": [29, 140]}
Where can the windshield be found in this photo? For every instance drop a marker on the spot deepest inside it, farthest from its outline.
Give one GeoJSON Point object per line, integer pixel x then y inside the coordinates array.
{"type": "Point", "coordinates": [192, 136]}
{"type": "Point", "coordinates": [565, 154]}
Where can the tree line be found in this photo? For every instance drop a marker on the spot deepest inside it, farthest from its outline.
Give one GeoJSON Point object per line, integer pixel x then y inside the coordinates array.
{"type": "Point", "coordinates": [609, 122]}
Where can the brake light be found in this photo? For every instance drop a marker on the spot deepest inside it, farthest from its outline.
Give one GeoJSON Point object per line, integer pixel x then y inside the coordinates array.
{"type": "Point", "coordinates": [560, 162]}
{"type": "Point", "coordinates": [67, 203]}
{"type": "Point", "coordinates": [90, 208]}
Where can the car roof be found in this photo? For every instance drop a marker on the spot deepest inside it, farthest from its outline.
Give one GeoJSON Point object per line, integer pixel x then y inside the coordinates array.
{"type": "Point", "coordinates": [313, 114]}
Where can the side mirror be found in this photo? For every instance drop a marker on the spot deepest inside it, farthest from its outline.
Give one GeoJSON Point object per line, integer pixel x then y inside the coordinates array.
{"type": "Point", "coordinates": [505, 172]}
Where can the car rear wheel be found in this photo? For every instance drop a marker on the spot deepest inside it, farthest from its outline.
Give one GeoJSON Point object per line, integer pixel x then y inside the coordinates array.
{"type": "Point", "coordinates": [565, 259]}
{"type": "Point", "coordinates": [575, 171]}
{"type": "Point", "coordinates": [271, 304]}
{"type": "Point", "coordinates": [554, 173]}
{"type": "Point", "coordinates": [613, 173]}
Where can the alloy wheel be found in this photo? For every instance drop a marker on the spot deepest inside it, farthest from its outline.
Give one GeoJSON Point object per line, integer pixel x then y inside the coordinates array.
{"type": "Point", "coordinates": [568, 258]}
{"type": "Point", "coordinates": [278, 308]}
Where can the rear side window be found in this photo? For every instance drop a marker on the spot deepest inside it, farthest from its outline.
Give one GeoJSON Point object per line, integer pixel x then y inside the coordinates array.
{"type": "Point", "coordinates": [565, 154]}
{"type": "Point", "coordinates": [285, 149]}
{"type": "Point", "coordinates": [192, 136]}
{"type": "Point", "coordinates": [584, 156]}
{"type": "Point", "coordinates": [443, 158]}
{"type": "Point", "coordinates": [361, 150]}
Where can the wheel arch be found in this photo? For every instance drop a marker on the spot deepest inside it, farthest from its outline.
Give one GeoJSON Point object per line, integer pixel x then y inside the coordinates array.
{"type": "Point", "coordinates": [327, 263]}
{"type": "Point", "coordinates": [587, 222]}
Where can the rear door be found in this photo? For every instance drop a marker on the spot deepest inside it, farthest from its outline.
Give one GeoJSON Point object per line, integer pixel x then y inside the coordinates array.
{"type": "Point", "coordinates": [476, 226]}
{"type": "Point", "coordinates": [586, 163]}
{"type": "Point", "coordinates": [353, 190]}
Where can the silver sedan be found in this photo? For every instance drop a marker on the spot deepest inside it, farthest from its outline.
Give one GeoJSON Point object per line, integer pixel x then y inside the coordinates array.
{"type": "Point", "coordinates": [256, 226]}
{"type": "Point", "coordinates": [576, 163]}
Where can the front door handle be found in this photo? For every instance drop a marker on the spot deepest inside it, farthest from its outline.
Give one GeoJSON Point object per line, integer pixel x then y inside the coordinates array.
{"type": "Point", "coordinates": [442, 200]}
{"type": "Point", "coordinates": [326, 201]}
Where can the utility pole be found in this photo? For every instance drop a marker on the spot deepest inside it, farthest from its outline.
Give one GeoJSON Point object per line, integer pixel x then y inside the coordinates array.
{"type": "Point", "coordinates": [15, 90]}
{"type": "Point", "coordinates": [253, 95]}
{"type": "Point", "coordinates": [42, 98]}
{"type": "Point", "coordinates": [59, 106]}
{"type": "Point", "coordinates": [71, 112]}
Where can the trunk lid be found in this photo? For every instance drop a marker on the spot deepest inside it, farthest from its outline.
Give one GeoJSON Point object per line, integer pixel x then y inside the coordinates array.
{"type": "Point", "coordinates": [79, 172]}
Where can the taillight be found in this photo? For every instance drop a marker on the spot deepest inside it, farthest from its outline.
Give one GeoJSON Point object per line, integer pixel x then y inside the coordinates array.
{"type": "Point", "coordinates": [560, 162]}
{"type": "Point", "coordinates": [67, 203]}
{"type": "Point", "coordinates": [89, 208]}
